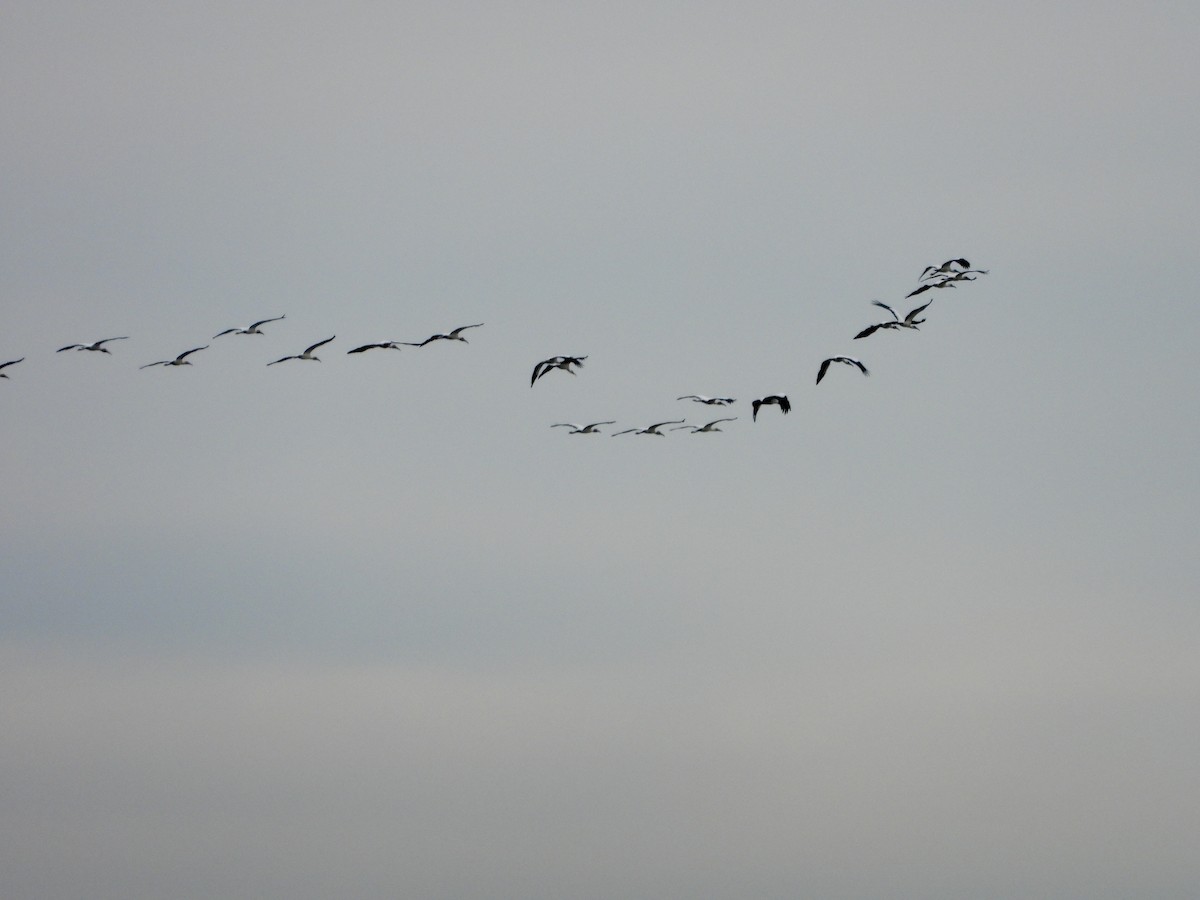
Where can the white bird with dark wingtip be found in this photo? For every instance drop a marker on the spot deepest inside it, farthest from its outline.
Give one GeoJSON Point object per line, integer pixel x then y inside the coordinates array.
{"type": "Point", "coordinates": [556, 362]}
{"type": "Point", "coordinates": [705, 429]}
{"type": "Point", "coordinates": [11, 362]}
{"type": "Point", "coordinates": [180, 360]}
{"type": "Point", "coordinates": [455, 335]}
{"type": "Point", "coordinates": [382, 345]}
{"type": "Point", "coordinates": [945, 268]}
{"type": "Point", "coordinates": [253, 328]}
{"type": "Point", "coordinates": [848, 360]}
{"type": "Point", "coordinates": [307, 354]}
{"type": "Point", "coordinates": [708, 401]}
{"type": "Point", "coordinates": [592, 428]}
{"type": "Point", "coordinates": [780, 400]}
{"type": "Point", "coordinates": [929, 285]}
{"type": "Point", "coordinates": [97, 347]}
{"type": "Point", "coordinates": [649, 429]}
{"type": "Point", "coordinates": [909, 321]}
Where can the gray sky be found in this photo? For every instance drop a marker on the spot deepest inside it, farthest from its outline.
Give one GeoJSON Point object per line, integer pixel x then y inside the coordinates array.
{"type": "Point", "coordinates": [370, 627]}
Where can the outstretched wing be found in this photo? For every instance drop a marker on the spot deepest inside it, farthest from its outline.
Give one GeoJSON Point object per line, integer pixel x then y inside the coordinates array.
{"type": "Point", "coordinates": [868, 331]}
{"type": "Point", "coordinates": [913, 313]}
{"type": "Point", "coordinates": [190, 352]}
{"type": "Point", "coordinates": [318, 344]}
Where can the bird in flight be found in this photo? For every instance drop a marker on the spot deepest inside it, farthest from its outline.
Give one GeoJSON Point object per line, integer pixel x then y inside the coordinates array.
{"type": "Point", "coordinates": [253, 328]}
{"type": "Point", "coordinates": [455, 335]}
{"type": "Point", "coordinates": [382, 345]}
{"type": "Point", "coordinates": [11, 362]}
{"type": "Point", "coordinates": [848, 360]}
{"type": "Point", "coordinates": [650, 429]}
{"type": "Point", "coordinates": [944, 283]}
{"type": "Point", "coordinates": [307, 354]}
{"type": "Point", "coordinates": [583, 429]}
{"type": "Point", "coordinates": [97, 347]}
{"type": "Point", "coordinates": [945, 268]}
{"type": "Point", "coordinates": [779, 400]}
{"type": "Point", "coordinates": [909, 321]}
{"type": "Point", "coordinates": [556, 362]}
{"type": "Point", "coordinates": [708, 401]}
{"type": "Point", "coordinates": [180, 360]}
{"type": "Point", "coordinates": [705, 429]}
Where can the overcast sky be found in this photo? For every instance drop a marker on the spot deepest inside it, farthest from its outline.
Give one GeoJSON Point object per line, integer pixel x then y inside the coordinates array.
{"type": "Point", "coordinates": [370, 627]}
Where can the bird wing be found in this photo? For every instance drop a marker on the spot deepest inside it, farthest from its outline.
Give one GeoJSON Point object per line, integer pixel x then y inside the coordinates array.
{"type": "Point", "coordinates": [696, 397]}
{"type": "Point", "coordinates": [824, 368]}
{"type": "Point", "coordinates": [225, 332]}
{"type": "Point", "coordinates": [190, 352]}
{"type": "Point", "coordinates": [461, 328]}
{"type": "Point", "coordinates": [106, 340]}
{"type": "Point", "coordinates": [883, 305]}
{"type": "Point", "coordinates": [785, 405]}
{"type": "Point", "coordinates": [318, 344]}
{"type": "Point", "coordinates": [716, 421]}
{"type": "Point", "coordinates": [11, 362]}
{"type": "Point", "coordinates": [161, 362]}
{"type": "Point", "coordinates": [69, 347]}
{"type": "Point", "coordinates": [913, 313]}
{"type": "Point", "coordinates": [541, 368]}
{"type": "Point", "coordinates": [282, 359]}
{"type": "Point", "coordinates": [265, 321]}
{"type": "Point", "coordinates": [919, 290]}
{"type": "Point", "coordinates": [626, 431]}
{"type": "Point", "coordinates": [567, 425]}
{"type": "Point", "coordinates": [868, 331]}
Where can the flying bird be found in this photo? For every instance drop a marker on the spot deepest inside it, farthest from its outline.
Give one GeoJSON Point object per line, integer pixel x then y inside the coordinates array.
{"type": "Point", "coordinates": [708, 401]}
{"type": "Point", "coordinates": [650, 429]}
{"type": "Point", "coordinates": [909, 321]}
{"type": "Point", "coordinates": [705, 429]}
{"type": "Point", "coordinates": [944, 269]}
{"type": "Point", "coordinates": [180, 360]}
{"type": "Point", "coordinates": [779, 400]}
{"type": "Point", "coordinates": [383, 345]}
{"type": "Point", "coordinates": [455, 335]}
{"type": "Point", "coordinates": [253, 328]}
{"type": "Point", "coordinates": [97, 347]}
{"type": "Point", "coordinates": [307, 354]}
{"type": "Point", "coordinates": [944, 283]}
{"type": "Point", "coordinates": [11, 362]}
{"type": "Point", "coordinates": [583, 429]}
{"type": "Point", "coordinates": [848, 360]}
{"type": "Point", "coordinates": [556, 362]}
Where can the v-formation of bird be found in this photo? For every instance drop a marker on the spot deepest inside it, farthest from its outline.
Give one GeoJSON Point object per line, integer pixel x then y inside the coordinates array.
{"type": "Point", "coordinates": [947, 275]}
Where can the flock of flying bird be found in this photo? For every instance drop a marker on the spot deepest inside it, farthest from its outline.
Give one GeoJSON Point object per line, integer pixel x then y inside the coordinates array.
{"type": "Point", "coordinates": [948, 275]}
